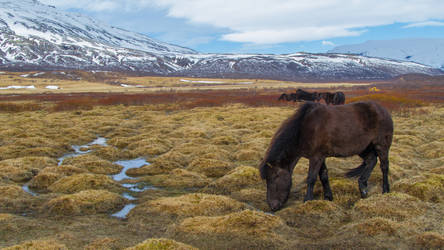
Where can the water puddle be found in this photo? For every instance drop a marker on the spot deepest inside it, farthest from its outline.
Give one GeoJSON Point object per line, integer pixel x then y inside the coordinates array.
{"type": "Point", "coordinates": [132, 187]}
{"type": "Point", "coordinates": [80, 149]}
{"type": "Point", "coordinates": [27, 190]}
{"type": "Point", "coordinates": [124, 212]}
{"type": "Point", "coordinates": [129, 164]}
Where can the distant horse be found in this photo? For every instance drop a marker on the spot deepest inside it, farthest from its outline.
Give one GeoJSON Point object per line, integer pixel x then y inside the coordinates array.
{"type": "Point", "coordinates": [337, 98]}
{"type": "Point", "coordinates": [290, 97]}
{"type": "Point", "coordinates": [319, 131]}
{"type": "Point", "coordinates": [300, 95]}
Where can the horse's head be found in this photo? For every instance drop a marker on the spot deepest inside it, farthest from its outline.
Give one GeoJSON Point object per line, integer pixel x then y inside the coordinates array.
{"type": "Point", "coordinates": [278, 184]}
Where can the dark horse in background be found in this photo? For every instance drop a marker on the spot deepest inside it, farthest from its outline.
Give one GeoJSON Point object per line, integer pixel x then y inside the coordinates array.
{"type": "Point", "coordinates": [337, 98]}
{"type": "Point", "coordinates": [300, 95]}
{"type": "Point", "coordinates": [319, 131]}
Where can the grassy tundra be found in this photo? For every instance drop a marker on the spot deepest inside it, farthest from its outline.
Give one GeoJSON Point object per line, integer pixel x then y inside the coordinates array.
{"type": "Point", "coordinates": [203, 149]}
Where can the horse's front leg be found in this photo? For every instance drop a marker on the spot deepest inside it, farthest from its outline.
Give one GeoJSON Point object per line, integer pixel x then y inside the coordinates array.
{"type": "Point", "coordinates": [323, 176]}
{"type": "Point", "coordinates": [313, 171]}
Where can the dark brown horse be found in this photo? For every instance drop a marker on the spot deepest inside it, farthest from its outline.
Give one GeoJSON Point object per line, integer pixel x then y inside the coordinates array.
{"type": "Point", "coordinates": [337, 98]}
{"type": "Point", "coordinates": [290, 97]}
{"type": "Point", "coordinates": [318, 131]}
{"type": "Point", "coordinates": [300, 95]}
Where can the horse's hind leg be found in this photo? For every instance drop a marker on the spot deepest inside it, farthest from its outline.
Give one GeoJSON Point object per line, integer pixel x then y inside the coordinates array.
{"type": "Point", "coordinates": [384, 164]}
{"type": "Point", "coordinates": [323, 176]}
{"type": "Point", "coordinates": [369, 162]}
{"type": "Point", "coordinates": [313, 171]}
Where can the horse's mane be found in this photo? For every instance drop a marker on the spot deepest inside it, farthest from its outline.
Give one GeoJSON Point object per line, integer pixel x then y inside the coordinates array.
{"type": "Point", "coordinates": [285, 140]}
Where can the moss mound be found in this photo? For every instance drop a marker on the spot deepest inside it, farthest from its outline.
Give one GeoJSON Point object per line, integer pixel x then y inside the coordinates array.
{"type": "Point", "coordinates": [93, 164]}
{"type": "Point", "coordinates": [426, 188]}
{"type": "Point", "coordinates": [79, 182]}
{"type": "Point", "coordinates": [161, 244]}
{"type": "Point", "coordinates": [395, 206]}
{"type": "Point", "coordinates": [196, 204]}
{"type": "Point", "coordinates": [255, 197]}
{"type": "Point", "coordinates": [210, 167]}
{"type": "Point", "coordinates": [84, 202]}
{"type": "Point", "coordinates": [49, 175]}
{"type": "Point", "coordinates": [377, 226]}
{"type": "Point", "coordinates": [158, 167]}
{"type": "Point", "coordinates": [429, 240]}
{"type": "Point", "coordinates": [38, 244]}
{"type": "Point", "coordinates": [177, 178]}
{"type": "Point", "coordinates": [103, 244]}
{"type": "Point", "coordinates": [249, 155]}
{"type": "Point", "coordinates": [237, 179]}
{"type": "Point", "coordinates": [24, 168]}
{"type": "Point", "coordinates": [14, 199]}
{"type": "Point", "coordinates": [248, 223]}
{"type": "Point", "coordinates": [5, 217]}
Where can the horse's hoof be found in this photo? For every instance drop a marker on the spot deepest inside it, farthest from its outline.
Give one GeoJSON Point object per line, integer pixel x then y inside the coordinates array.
{"type": "Point", "coordinates": [328, 197]}
{"type": "Point", "coordinates": [364, 194]}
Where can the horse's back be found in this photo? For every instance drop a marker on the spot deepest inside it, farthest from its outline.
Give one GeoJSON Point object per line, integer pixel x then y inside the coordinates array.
{"type": "Point", "coordinates": [346, 129]}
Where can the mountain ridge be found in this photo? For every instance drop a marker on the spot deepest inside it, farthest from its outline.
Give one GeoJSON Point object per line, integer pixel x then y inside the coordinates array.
{"type": "Point", "coordinates": [40, 37]}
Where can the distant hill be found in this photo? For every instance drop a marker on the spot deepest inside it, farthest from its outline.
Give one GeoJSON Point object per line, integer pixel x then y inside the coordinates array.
{"type": "Point", "coordinates": [34, 36]}
{"type": "Point", "coordinates": [425, 51]}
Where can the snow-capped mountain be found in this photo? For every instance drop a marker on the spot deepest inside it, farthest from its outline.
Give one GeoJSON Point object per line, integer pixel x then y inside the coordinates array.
{"type": "Point", "coordinates": [425, 51]}
{"type": "Point", "coordinates": [38, 36]}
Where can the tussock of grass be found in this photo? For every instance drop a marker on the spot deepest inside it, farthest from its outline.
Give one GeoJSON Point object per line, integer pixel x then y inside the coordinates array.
{"type": "Point", "coordinates": [195, 204]}
{"type": "Point", "coordinates": [430, 240]}
{"type": "Point", "coordinates": [156, 168]}
{"type": "Point", "coordinates": [24, 168]}
{"type": "Point", "coordinates": [210, 167]}
{"type": "Point", "coordinates": [177, 178]}
{"type": "Point", "coordinates": [426, 188]}
{"type": "Point", "coordinates": [79, 182]}
{"type": "Point", "coordinates": [93, 164]}
{"type": "Point", "coordinates": [84, 202]}
{"type": "Point", "coordinates": [252, 196]}
{"type": "Point", "coordinates": [395, 206]}
{"type": "Point", "coordinates": [13, 198]}
{"type": "Point", "coordinates": [161, 244]}
{"type": "Point", "coordinates": [103, 243]}
{"type": "Point", "coordinates": [248, 223]}
{"type": "Point", "coordinates": [317, 214]}
{"type": "Point", "coordinates": [237, 179]}
{"type": "Point", "coordinates": [38, 244]}
{"type": "Point", "coordinates": [376, 226]}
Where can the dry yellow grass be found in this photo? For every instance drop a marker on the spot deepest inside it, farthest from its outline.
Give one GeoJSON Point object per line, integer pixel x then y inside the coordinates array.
{"type": "Point", "coordinates": [248, 223]}
{"type": "Point", "coordinates": [195, 204]}
{"type": "Point", "coordinates": [84, 202]}
{"type": "Point", "coordinates": [161, 244]}
{"type": "Point", "coordinates": [211, 150]}
{"type": "Point", "coordinates": [80, 182]}
{"type": "Point", "coordinates": [38, 244]}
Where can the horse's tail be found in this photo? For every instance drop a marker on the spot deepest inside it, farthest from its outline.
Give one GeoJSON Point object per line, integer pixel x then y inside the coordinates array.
{"type": "Point", "coordinates": [285, 140]}
{"type": "Point", "coordinates": [355, 172]}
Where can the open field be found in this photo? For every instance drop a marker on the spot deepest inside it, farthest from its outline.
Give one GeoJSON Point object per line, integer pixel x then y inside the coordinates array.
{"type": "Point", "coordinates": [200, 187]}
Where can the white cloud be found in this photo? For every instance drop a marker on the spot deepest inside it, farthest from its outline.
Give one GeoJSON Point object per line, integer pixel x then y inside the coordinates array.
{"type": "Point", "coordinates": [424, 24]}
{"type": "Point", "coordinates": [327, 43]}
{"type": "Point", "coordinates": [278, 21]}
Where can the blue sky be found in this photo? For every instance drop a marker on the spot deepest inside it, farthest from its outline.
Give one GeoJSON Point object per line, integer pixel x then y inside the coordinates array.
{"type": "Point", "coordinates": [264, 26]}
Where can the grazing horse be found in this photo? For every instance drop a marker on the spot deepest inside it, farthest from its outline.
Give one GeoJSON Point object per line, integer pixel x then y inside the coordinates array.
{"type": "Point", "coordinates": [319, 131]}
{"type": "Point", "coordinates": [337, 98]}
{"type": "Point", "coordinates": [302, 95]}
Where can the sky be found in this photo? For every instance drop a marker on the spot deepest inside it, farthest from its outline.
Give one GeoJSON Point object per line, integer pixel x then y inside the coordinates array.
{"type": "Point", "coordinates": [267, 26]}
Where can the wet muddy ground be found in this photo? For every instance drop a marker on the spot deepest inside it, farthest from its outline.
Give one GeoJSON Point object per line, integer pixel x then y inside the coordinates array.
{"type": "Point", "coordinates": [124, 176]}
